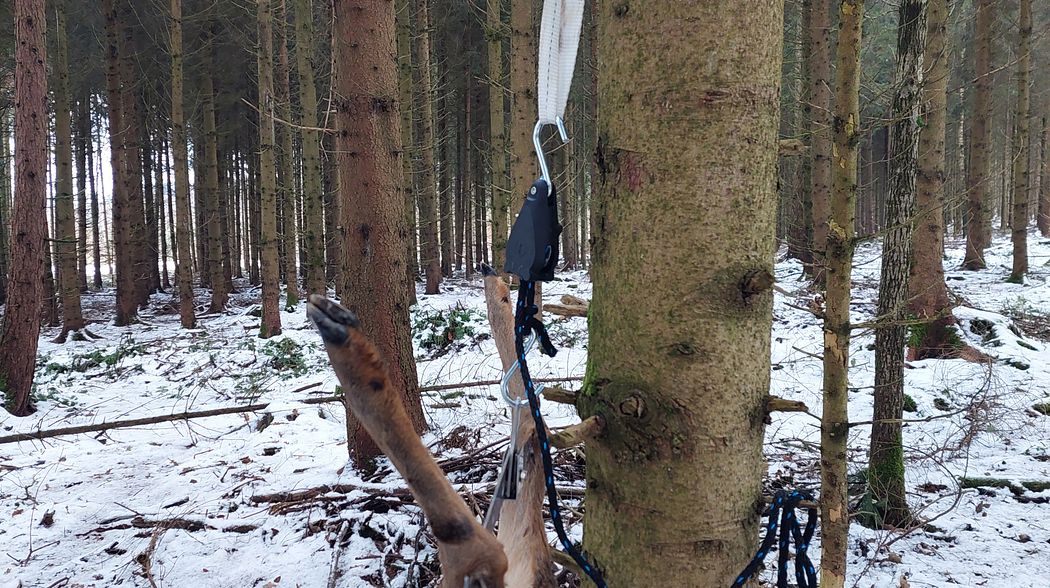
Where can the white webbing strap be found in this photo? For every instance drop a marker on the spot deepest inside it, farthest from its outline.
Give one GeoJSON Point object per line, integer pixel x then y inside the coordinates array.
{"type": "Point", "coordinates": [559, 40]}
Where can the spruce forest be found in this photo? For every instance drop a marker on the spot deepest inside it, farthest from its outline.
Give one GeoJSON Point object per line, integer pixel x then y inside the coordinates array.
{"type": "Point", "coordinates": [524, 293]}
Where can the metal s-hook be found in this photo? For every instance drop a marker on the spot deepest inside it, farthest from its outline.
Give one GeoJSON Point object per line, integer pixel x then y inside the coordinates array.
{"type": "Point", "coordinates": [537, 143]}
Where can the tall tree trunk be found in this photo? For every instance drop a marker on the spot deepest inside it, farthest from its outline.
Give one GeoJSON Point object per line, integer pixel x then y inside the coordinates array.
{"type": "Point", "coordinates": [675, 479]}
{"type": "Point", "coordinates": [430, 247]}
{"type": "Point", "coordinates": [183, 229]}
{"type": "Point", "coordinates": [1019, 222]}
{"type": "Point", "coordinates": [928, 298]}
{"type": "Point", "coordinates": [96, 237]}
{"type": "Point", "coordinates": [289, 230]}
{"type": "Point", "coordinates": [271, 287]}
{"type": "Point", "coordinates": [151, 253]}
{"type": "Point", "coordinates": [405, 88]}
{"type": "Point", "coordinates": [820, 116]}
{"type": "Point", "coordinates": [81, 140]}
{"type": "Point", "coordinates": [65, 227]}
{"type": "Point", "coordinates": [979, 180]}
{"type": "Point", "coordinates": [495, 33]}
{"type": "Point", "coordinates": [313, 225]}
{"type": "Point", "coordinates": [21, 327]}
{"type": "Point", "coordinates": [135, 122]}
{"type": "Point", "coordinates": [523, 98]}
{"type": "Point", "coordinates": [886, 468]}
{"type": "Point", "coordinates": [1042, 219]}
{"type": "Point", "coordinates": [161, 186]}
{"type": "Point", "coordinates": [368, 155]}
{"type": "Point", "coordinates": [212, 197]}
{"type": "Point", "coordinates": [834, 511]}
{"type": "Point", "coordinates": [127, 305]}
{"type": "Point", "coordinates": [5, 201]}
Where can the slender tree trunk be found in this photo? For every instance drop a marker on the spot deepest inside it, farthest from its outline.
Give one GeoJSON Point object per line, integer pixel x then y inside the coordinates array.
{"type": "Point", "coordinates": [430, 252]}
{"type": "Point", "coordinates": [523, 167]}
{"type": "Point", "coordinates": [286, 176]}
{"type": "Point", "coordinates": [212, 196]}
{"type": "Point", "coordinates": [979, 180]}
{"type": "Point", "coordinates": [886, 468]}
{"type": "Point", "coordinates": [495, 33]}
{"type": "Point", "coordinates": [368, 155]}
{"type": "Point", "coordinates": [183, 230]}
{"type": "Point", "coordinates": [127, 302]}
{"type": "Point", "coordinates": [162, 187]}
{"type": "Point", "coordinates": [1042, 219]}
{"type": "Point", "coordinates": [21, 326]}
{"type": "Point", "coordinates": [1019, 224]}
{"type": "Point", "coordinates": [405, 89]}
{"type": "Point", "coordinates": [135, 120]}
{"type": "Point", "coordinates": [271, 287]}
{"type": "Point", "coordinates": [65, 227]}
{"type": "Point", "coordinates": [96, 238]}
{"type": "Point", "coordinates": [819, 113]}
{"type": "Point", "coordinates": [81, 139]}
{"type": "Point", "coordinates": [834, 511]}
{"type": "Point", "coordinates": [149, 236]}
{"type": "Point", "coordinates": [674, 482]}
{"type": "Point", "coordinates": [928, 294]}
{"type": "Point", "coordinates": [5, 201]}
{"type": "Point", "coordinates": [313, 225]}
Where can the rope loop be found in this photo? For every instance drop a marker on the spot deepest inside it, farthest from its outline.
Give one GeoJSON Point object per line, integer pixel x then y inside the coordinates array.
{"type": "Point", "coordinates": [784, 504]}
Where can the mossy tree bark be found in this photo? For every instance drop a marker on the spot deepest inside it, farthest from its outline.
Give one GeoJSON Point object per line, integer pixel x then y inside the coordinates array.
{"type": "Point", "coordinates": [368, 153]}
{"type": "Point", "coordinates": [678, 361]}
{"type": "Point", "coordinates": [313, 214]}
{"type": "Point", "coordinates": [21, 327]}
{"type": "Point", "coordinates": [834, 430]}
{"type": "Point", "coordinates": [65, 227]}
{"type": "Point", "coordinates": [928, 293]}
{"type": "Point", "coordinates": [886, 469]}
{"type": "Point", "coordinates": [271, 287]}
{"type": "Point", "coordinates": [818, 108]}
{"type": "Point", "coordinates": [979, 179]}
{"type": "Point", "coordinates": [183, 230]}
{"type": "Point", "coordinates": [1019, 218]}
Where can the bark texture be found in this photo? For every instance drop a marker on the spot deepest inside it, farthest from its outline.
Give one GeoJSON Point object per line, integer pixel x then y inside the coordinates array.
{"type": "Point", "coordinates": [369, 155]}
{"type": "Point", "coordinates": [674, 483]}
{"type": "Point", "coordinates": [184, 268]}
{"type": "Point", "coordinates": [271, 287]}
{"type": "Point", "coordinates": [819, 106]}
{"type": "Point", "coordinates": [495, 33]}
{"type": "Point", "coordinates": [313, 213]}
{"type": "Point", "coordinates": [886, 468]}
{"type": "Point", "coordinates": [834, 429]}
{"type": "Point", "coordinates": [65, 227]}
{"type": "Point", "coordinates": [1019, 218]}
{"type": "Point", "coordinates": [21, 328]}
{"type": "Point", "coordinates": [979, 228]}
{"type": "Point", "coordinates": [429, 245]}
{"type": "Point", "coordinates": [928, 293]}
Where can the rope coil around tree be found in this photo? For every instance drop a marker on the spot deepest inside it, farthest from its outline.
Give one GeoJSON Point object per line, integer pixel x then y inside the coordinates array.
{"type": "Point", "coordinates": [784, 504]}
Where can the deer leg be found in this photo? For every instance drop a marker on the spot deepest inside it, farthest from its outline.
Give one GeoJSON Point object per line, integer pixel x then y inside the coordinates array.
{"type": "Point", "coordinates": [465, 548]}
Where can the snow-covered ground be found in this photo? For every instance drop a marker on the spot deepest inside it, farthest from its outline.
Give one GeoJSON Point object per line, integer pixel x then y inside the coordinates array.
{"type": "Point", "coordinates": [83, 510]}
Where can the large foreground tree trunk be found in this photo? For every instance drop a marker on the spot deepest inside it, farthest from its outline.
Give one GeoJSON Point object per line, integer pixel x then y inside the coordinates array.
{"type": "Point", "coordinates": [21, 328]}
{"type": "Point", "coordinates": [370, 175]}
{"type": "Point", "coordinates": [834, 428]}
{"type": "Point", "coordinates": [1019, 221]}
{"type": "Point", "coordinates": [978, 181]}
{"type": "Point", "coordinates": [928, 299]}
{"type": "Point", "coordinates": [886, 469]}
{"type": "Point", "coordinates": [674, 483]}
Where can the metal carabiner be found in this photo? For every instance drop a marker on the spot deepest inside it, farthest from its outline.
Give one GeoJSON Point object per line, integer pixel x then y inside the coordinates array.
{"type": "Point", "coordinates": [537, 143]}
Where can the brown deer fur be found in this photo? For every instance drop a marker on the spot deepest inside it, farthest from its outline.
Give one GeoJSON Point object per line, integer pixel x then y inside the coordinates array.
{"type": "Point", "coordinates": [465, 548]}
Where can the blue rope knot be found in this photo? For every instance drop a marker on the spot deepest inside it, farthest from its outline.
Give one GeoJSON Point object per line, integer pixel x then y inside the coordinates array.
{"type": "Point", "coordinates": [525, 322]}
{"type": "Point", "coordinates": [784, 504]}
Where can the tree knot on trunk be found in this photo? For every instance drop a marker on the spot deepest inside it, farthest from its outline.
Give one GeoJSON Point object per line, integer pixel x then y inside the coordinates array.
{"type": "Point", "coordinates": [754, 283]}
